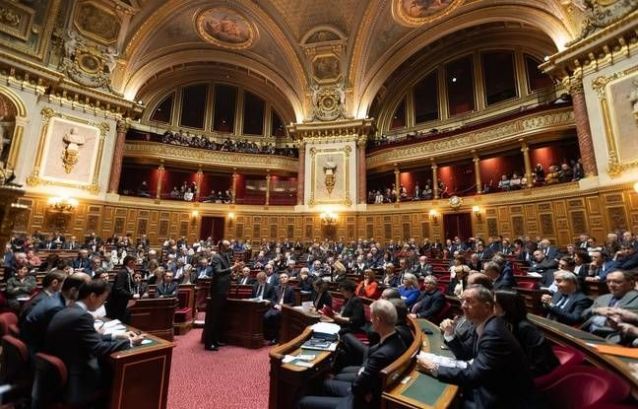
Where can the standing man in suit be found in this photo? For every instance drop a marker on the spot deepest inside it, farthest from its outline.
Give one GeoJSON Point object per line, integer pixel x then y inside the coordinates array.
{"type": "Point", "coordinates": [621, 295]}
{"type": "Point", "coordinates": [568, 303]}
{"type": "Point", "coordinates": [365, 391]}
{"type": "Point", "coordinates": [219, 286]}
{"type": "Point", "coordinates": [284, 294]}
{"type": "Point", "coordinates": [122, 292]}
{"type": "Point", "coordinates": [72, 338]}
{"type": "Point", "coordinates": [497, 375]}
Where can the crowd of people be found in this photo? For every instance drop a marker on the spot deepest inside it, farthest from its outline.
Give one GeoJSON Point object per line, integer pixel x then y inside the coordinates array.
{"type": "Point", "coordinates": [567, 171]}
{"type": "Point", "coordinates": [480, 272]}
{"type": "Point", "coordinates": [189, 139]}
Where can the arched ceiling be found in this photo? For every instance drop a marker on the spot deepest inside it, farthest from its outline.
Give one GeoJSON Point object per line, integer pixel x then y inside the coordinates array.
{"type": "Point", "coordinates": [296, 45]}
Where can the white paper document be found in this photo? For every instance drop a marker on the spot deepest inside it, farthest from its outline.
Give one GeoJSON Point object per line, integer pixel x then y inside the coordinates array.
{"type": "Point", "coordinates": [443, 360]}
{"type": "Point", "coordinates": [326, 328]}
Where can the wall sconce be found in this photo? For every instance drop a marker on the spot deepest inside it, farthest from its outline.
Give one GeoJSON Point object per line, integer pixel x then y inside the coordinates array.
{"type": "Point", "coordinates": [62, 204]}
{"type": "Point", "coordinates": [231, 218]}
{"type": "Point", "coordinates": [434, 216]}
{"type": "Point", "coordinates": [636, 187]}
{"type": "Point", "coordinates": [477, 212]}
{"type": "Point", "coordinates": [328, 218]}
{"type": "Point", "coordinates": [195, 214]}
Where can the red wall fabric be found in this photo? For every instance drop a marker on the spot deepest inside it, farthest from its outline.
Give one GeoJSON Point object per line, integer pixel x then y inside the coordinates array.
{"type": "Point", "coordinates": [493, 168]}
{"type": "Point", "coordinates": [554, 154]}
{"type": "Point", "coordinates": [459, 178]}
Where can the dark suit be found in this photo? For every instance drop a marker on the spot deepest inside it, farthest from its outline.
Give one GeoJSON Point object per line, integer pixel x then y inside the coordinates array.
{"type": "Point", "coordinates": [422, 270]}
{"type": "Point", "coordinates": [34, 326]}
{"type": "Point", "coordinates": [84, 263]}
{"type": "Point", "coordinates": [498, 377]}
{"type": "Point", "coordinates": [219, 286]}
{"type": "Point", "coordinates": [272, 317]}
{"type": "Point", "coordinates": [321, 300]}
{"type": "Point", "coordinates": [366, 384]}
{"type": "Point", "coordinates": [429, 304]}
{"type": "Point", "coordinates": [537, 349]}
{"type": "Point", "coordinates": [353, 309]}
{"type": "Point", "coordinates": [121, 293]}
{"type": "Point", "coordinates": [72, 338]}
{"type": "Point", "coordinates": [268, 293]}
{"type": "Point", "coordinates": [29, 306]}
{"type": "Point", "coordinates": [568, 311]}
{"type": "Point", "coordinates": [166, 290]}
{"type": "Point", "coordinates": [246, 281]}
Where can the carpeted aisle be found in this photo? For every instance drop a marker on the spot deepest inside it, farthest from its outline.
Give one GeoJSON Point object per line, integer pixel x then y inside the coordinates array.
{"type": "Point", "coordinates": [231, 378]}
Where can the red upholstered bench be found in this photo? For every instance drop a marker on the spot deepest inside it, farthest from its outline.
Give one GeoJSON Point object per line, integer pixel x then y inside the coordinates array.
{"type": "Point", "coordinates": [185, 312]}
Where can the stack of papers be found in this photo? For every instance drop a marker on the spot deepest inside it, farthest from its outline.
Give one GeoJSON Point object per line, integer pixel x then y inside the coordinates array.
{"type": "Point", "coordinates": [443, 360]}
{"type": "Point", "coordinates": [113, 327]}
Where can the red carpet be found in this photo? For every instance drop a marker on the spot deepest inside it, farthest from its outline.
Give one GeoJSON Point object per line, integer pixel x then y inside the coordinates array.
{"type": "Point", "coordinates": [231, 378]}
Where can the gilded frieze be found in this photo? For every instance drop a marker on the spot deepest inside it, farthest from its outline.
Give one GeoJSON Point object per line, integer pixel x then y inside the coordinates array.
{"type": "Point", "coordinates": [201, 156]}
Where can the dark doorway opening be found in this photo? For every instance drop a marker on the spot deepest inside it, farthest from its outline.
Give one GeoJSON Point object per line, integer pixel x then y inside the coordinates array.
{"type": "Point", "coordinates": [212, 227]}
{"type": "Point", "coordinates": [457, 224]}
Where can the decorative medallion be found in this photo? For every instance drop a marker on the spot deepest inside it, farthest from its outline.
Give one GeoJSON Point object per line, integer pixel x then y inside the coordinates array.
{"type": "Point", "coordinates": [328, 102]}
{"type": "Point", "coordinates": [413, 13]}
{"type": "Point", "coordinates": [226, 28]}
{"type": "Point", "coordinates": [455, 202]}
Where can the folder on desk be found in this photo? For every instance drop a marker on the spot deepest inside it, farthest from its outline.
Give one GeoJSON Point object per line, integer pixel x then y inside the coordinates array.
{"type": "Point", "coordinates": [616, 350]}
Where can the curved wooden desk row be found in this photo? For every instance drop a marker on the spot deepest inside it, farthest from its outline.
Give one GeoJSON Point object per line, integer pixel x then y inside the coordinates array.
{"type": "Point", "coordinates": [403, 385]}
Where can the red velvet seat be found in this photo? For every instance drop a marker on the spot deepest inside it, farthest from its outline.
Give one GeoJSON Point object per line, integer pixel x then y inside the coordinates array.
{"type": "Point", "coordinates": [50, 382]}
{"type": "Point", "coordinates": [568, 358]}
{"type": "Point", "coordinates": [15, 361]}
{"type": "Point", "coordinates": [7, 319]}
{"type": "Point", "coordinates": [585, 386]}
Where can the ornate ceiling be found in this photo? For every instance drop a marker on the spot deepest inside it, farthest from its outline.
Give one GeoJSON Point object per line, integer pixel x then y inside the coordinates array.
{"type": "Point", "coordinates": [298, 51]}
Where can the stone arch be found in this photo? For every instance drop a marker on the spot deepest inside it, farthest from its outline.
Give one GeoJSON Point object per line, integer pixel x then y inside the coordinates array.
{"type": "Point", "coordinates": [14, 111]}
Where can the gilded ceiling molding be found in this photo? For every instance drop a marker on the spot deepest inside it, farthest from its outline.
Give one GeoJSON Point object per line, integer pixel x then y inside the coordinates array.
{"type": "Point", "coordinates": [414, 14]}
{"type": "Point", "coordinates": [508, 131]}
{"type": "Point", "coordinates": [229, 160]}
{"type": "Point", "coordinates": [368, 84]}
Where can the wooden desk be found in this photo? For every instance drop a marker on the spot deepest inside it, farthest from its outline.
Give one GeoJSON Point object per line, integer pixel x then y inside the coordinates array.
{"type": "Point", "coordinates": [141, 375]}
{"type": "Point", "coordinates": [288, 382]}
{"type": "Point", "coordinates": [245, 323]}
{"type": "Point", "coordinates": [294, 321]}
{"type": "Point", "coordinates": [154, 316]}
{"type": "Point", "coordinates": [582, 341]}
{"type": "Point", "coordinates": [417, 390]}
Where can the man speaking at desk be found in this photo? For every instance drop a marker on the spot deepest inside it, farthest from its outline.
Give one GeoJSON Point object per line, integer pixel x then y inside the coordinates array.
{"type": "Point", "coordinates": [219, 287]}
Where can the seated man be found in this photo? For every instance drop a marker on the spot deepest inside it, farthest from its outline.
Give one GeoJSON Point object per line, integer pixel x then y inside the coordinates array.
{"type": "Point", "coordinates": [167, 288]}
{"type": "Point", "coordinates": [497, 374]}
{"type": "Point", "coordinates": [284, 294]}
{"type": "Point", "coordinates": [261, 289]}
{"type": "Point", "coordinates": [365, 391]}
{"type": "Point", "coordinates": [33, 328]}
{"type": "Point", "coordinates": [82, 261]}
{"type": "Point", "coordinates": [621, 295]}
{"type": "Point", "coordinates": [51, 284]}
{"type": "Point", "coordinates": [245, 278]}
{"type": "Point", "coordinates": [431, 301]}
{"type": "Point", "coordinates": [20, 286]}
{"type": "Point", "coordinates": [568, 303]}
{"type": "Point", "coordinates": [140, 289]}
{"type": "Point", "coordinates": [72, 337]}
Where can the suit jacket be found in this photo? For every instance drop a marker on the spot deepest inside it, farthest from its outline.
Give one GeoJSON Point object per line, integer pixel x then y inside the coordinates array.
{"type": "Point", "coordinates": [571, 311]}
{"type": "Point", "coordinates": [629, 302]}
{"type": "Point", "coordinates": [246, 281]}
{"type": "Point", "coordinates": [429, 304]}
{"type": "Point", "coordinates": [321, 300]}
{"type": "Point", "coordinates": [498, 377]}
{"type": "Point", "coordinates": [353, 309]}
{"type": "Point", "coordinates": [71, 337]}
{"type": "Point", "coordinates": [537, 349]}
{"type": "Point", "coordinates": [268, 292]}
{"type": "Point", "coordinates": [121, 293]}
{"type": "Point", "coordinates": [288, 294]}
{"type": "Point", "coordinates": [422, 270]}
{"type": "Point", "coordinates": [84, 263]}
{"type": "Point", "coordinates": [29, 306]}
{"type": "Point", "coordinates": [369, 381]}
{"type": "Point", "coordinates": [166, 290]}
{"type": "Point", "coordinates": [222, 268]}
{"type": "Point", "coordinates": [273, 279]}
{"type": "Point", "coordinates": [34, 326]}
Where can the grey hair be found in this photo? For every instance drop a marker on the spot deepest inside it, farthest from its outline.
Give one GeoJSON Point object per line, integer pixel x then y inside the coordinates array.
{"type": "Point", "coordinates": [430, 279]}
{"type": "Point", "coordinates": [410, 277]}
{"type": "Point", "coordinates": [385, 311]}
{"type": "Point", "coordinates": [566, 275]}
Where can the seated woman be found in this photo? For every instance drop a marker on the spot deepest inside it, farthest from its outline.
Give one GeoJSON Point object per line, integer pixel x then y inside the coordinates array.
{"type": "Point", "coordinates": [458, 276]}
{"type": "Point", "coordinates": [409, 290]}
{"type": "Point", "coordinates": [368, 287]}
{"type": "Point", "coordinates": [321, 296]}
{"type": "Point", "coordinates": [351, 318]}
{"type": "Point", "coordinates": [511, 307]}
{"type": "Point", "coordinates": [20, 287]}
{"type": "Point", "coordinates": [568, 303]}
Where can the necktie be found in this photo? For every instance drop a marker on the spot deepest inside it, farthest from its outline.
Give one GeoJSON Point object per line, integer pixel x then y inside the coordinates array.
{"type": "Point", "coordinates": [562, 302]}
{"type": "Point", "coordinates": [613, 302]}
{"type": "Point", "coordinates": [260, 291]}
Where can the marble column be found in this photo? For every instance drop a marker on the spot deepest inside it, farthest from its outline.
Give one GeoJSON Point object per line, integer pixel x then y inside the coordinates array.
{"type": "Point", "coordinates": [397, 174]}
{"type": "Point", "coordinates": [233, 188]}
{"type": "Point", "coordinates": [301, 171]}
{"type": "Point", "coordinates": [528, 165]}
{"type": "Point", "coordinates": [267, 187]}
{"type": "Point", "coordinates": [435, 181]}
{"type": "Point", "coordinates": [199, 176]}
{"type": "Point", "coordinates": [160, 172]}
{"type": "Point", "coordinates": [361, 166]}
{"type": "Point", "coordinates": [583, 129]}
{"type": "Point", "coordinates": [477, 174]}
{"type": "Point", "coordinates": [118, 155]}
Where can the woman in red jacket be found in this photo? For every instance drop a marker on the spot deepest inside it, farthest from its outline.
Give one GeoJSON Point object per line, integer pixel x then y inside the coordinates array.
{"type": "Point", "coordinates": [368, 287]}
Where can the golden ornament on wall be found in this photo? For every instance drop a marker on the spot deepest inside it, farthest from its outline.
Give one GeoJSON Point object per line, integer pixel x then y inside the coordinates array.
{"type": "Point", "coordinates": [329, 170]}
{"type": "Point", "coordinates": [71, 154]}
{"type": "Point", "coordinates": [226, 28]}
